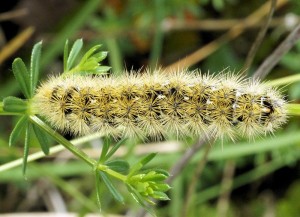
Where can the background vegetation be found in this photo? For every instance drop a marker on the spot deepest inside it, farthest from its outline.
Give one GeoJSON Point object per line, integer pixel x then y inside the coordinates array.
{"type": "Point", "coordinates": [248, 178]}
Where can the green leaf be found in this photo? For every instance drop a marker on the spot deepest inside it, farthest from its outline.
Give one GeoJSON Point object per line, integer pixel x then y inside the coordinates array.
{"type": "Point", "coordinates": [101, 69]}
{"type": "Point", "coordinates": [14, 104]}
{"type": "Point", "coordinates": [148, 158]}
{"type": "Point", "coordinates": [154, 177]}
{"type": "Point", "coordinates": [89, 53]}
{"type": "Point", "coordinates": [74, 53]}
{"type": "Point", "coordinates": [98, 192]}
{"type": "Point", "coordinates": [104, 150]}
{"type": "Point", "coordinates": [162, 171]}
{"type": "Point", "coordinates": [34, 65]}
{"type": "Point", "coordinates": [160, 195]}
{"type": "Point", "coordinates": [66, 53]}
{"type": "Point", "coordinates": [161, 187]}
{"type": "Point", "coordinates": [95, 72]}
{"type": "Point", "coordinates": [137, 166]}
{"type": "Point", "coordinates": [42, 138]}
{"type": "Point", "coordinates": [120, 166]}
{"type": "Point", "coordinates": [20, 126]}
{"type": "Point", "coordinates": [139, 199]}
{"type": "Point", "coordinates": [100, 55]}
{"type": "Point", "coordinates": [115, 148]}
{"type": "Point", "coordinates": [111, 187]}
{"type": "Point", "coordinates": [26, 146]}
{"type": "Point", "coordinates": [22, 76]}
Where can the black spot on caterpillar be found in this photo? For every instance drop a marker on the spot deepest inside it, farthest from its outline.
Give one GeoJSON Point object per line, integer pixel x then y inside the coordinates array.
{"type": "Point", "coordinates": [156, 105]}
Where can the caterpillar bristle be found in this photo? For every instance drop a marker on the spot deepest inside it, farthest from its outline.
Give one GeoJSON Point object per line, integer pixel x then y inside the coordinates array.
{"type": "Point", "coordinates": [160, 104]}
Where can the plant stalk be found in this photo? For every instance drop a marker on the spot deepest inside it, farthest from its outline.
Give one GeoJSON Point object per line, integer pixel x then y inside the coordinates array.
{"type": "Point", "coordinates": [293, 109]}
{"type": "Point", "coordinates": [76, 151]}
{"type": "Point", "coordinates": [111, 172]}
{"type": "Point", "coordinates": [60, 139]}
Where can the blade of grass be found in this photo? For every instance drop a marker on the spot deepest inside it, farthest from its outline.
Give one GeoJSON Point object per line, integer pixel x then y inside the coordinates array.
{"type": "Point", "coordinates": [69, 29]}
{"type": "Point", "coordinates": [158, 36]}
{"type": "Point", "coordinates": [115, 57]}
{"type": "Point", "coordinates": [243, 179]}
{"type": "Point", "coordinates": [284, 81]}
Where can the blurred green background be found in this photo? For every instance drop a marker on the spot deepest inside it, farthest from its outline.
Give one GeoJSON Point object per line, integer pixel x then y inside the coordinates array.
{"type": "Point", "coordinates": [260, 178]}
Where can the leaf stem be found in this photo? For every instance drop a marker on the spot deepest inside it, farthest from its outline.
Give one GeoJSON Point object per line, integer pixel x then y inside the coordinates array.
{"type": "Point", "coordinates": [59, 138]}
{"type": "Point", "coordinates": [53, 150]}
{"type": "Point", "coordinates": [111, 172]}
{"type": "Point", "coordinates": [76, 151]}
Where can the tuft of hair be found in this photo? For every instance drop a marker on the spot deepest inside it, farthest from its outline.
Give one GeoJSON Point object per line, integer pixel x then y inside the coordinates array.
{"type": "Point", "coordinates": [156, 105]}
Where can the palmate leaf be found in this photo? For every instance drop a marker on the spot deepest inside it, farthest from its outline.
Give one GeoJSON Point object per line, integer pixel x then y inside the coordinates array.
{"type": "Point", "coordinates": [140, 200]}
{"type": "Point", "coordinates": [74, 53]}
{"type": "Point", "coordinates": [98, 192]}
{"type": "Point", "coordinates": [66, 53]}
{"type": "Point", "coordinates": [114, 148]}
{"type": "Point", "coordinates": [116, 194]}
{"type": "Point", "coordinates": [120, 166]}
{"type": "Point", "coordinates": [140, 164]}
{"type": "Point", "coordinates": [28, 133]}
{"type": "Point", "coordinates": [104, 150]}
{"type": "Point", "coordinates": [14, 104]}
{"type": "Point", "coordinates": [19, 128]}
{"type": "Point", "coordinates": [34, 66]}
{"type": "Point", "coordinates": [22, 76]}
{"type": "Point", "coordinates": [88, 64]}
{"type": "Point", "coordinates": [42, 138]}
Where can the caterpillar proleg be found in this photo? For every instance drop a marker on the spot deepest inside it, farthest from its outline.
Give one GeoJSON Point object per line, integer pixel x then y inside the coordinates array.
{"type": "Point", "coordinates": [159, 104]}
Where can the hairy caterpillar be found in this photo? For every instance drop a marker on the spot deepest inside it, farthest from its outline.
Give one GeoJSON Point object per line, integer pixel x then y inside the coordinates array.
{"type": "Point", "coordinates": [160, 104]}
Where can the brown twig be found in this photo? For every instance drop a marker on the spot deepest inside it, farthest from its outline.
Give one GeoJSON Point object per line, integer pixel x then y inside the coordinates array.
{"type": "Point", "coordinates": [274, 58]}
{"type": "Point", "coordinates": [185, 159]}
{"type": "Point", "coordinates": [260, 37]}
{"type": "Point", "coordinates": [178, 167]}
{"type": "Point", "coordinates": [211, 47]}
{"type": "Point", "coordinates": [214, 24]}
{"type": "Point", "coordinates": [13, 14]}
{"type": "Point", "coordinates": [12, 46]}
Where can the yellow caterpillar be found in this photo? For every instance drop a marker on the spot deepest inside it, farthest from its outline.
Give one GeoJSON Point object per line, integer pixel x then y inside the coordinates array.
{"type": "Point", "coordinates": [160, 104]}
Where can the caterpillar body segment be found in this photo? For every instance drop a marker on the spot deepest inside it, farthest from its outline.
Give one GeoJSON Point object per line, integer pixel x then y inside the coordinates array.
{"type": "Point", "coordinates": [159, 104]}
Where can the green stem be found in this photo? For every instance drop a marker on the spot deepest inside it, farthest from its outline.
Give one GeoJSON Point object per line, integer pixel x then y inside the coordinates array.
{"type": "Point", "coordinates": [53, 150]}
{"type": "Point", "coordinates": [293, 109]}
{"type": "Point", "coordinates": [59, 138]}
{"type": "Point", "coordinates": [76, 151]}
{"type": "Point", "coordinates": [284, 81]}
{"type": "Point", "coordinates": [111, 172]}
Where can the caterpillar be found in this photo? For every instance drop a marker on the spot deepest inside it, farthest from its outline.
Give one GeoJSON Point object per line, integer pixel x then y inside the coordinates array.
{"type": "Point", "coordinates": [160, 104]}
